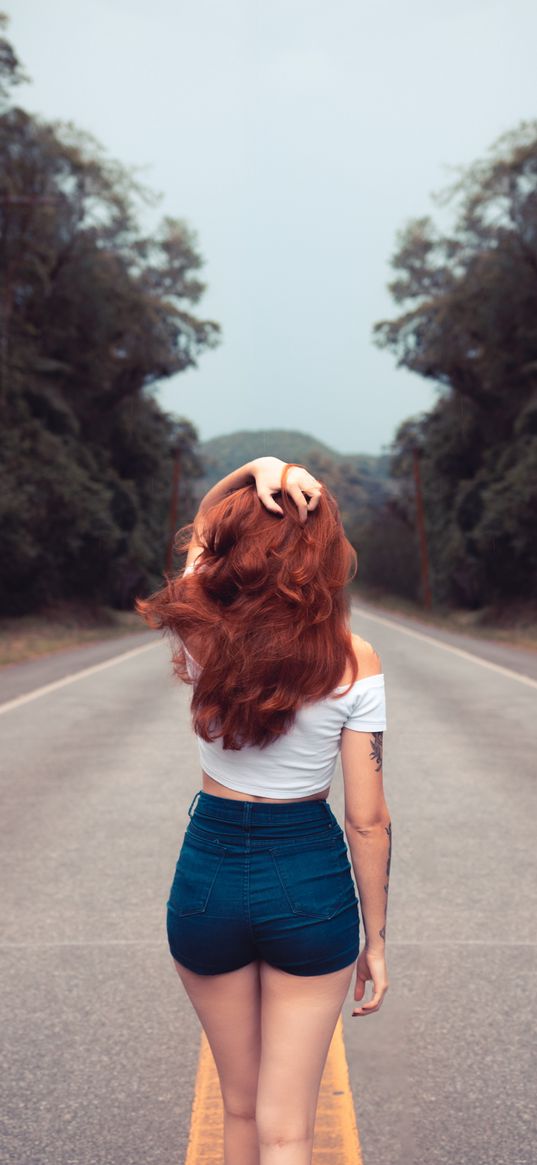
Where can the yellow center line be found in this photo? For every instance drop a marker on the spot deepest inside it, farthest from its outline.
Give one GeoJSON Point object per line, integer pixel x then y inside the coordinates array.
{"type": "Point", "coordinates": [336, 1140]}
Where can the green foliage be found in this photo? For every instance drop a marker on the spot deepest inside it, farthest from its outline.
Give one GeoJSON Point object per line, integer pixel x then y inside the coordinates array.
{"type": "Point", "coordinates": [470, 325]}
{"type": "Point", "coordinates": [223, 454]}
{"type": "Point", "coordinates": [93, 315]}
{"type": "Point", "coordinates": [11, 71]}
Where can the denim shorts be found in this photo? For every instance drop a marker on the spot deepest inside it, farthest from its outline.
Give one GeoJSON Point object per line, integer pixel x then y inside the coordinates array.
{"type": "Point", "coordinates": [256, 880]}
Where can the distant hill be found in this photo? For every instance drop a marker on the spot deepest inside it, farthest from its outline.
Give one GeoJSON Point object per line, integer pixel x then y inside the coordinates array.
{"type": "Point", "coordinates": [223, 454]}
{"type": "Point", "coordinates": [360, 482]}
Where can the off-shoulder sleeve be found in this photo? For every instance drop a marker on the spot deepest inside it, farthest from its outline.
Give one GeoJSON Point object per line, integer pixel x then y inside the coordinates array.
{"type": "Point", "coordinates": [368, 713]}
{"type": "Point", "coordinates": [196, 565]}
{"type": "Point", "coordinates": [192, 666]}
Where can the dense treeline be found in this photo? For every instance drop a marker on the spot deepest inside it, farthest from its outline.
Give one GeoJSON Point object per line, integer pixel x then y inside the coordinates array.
{"type": "Point", "coordinates": [93, 314]}
{"type": "Point", "coordinates": [469, 323]}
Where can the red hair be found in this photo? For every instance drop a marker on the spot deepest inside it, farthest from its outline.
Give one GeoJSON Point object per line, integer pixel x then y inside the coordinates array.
{"type": "Point", "coordinates": [268, 602]}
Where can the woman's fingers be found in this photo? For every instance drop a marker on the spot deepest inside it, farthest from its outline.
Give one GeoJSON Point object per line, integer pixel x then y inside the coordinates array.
{"type": "Point", "coordinates": [299, 500]}
{"type": "Point", "coordinates": [379, 991]}
{"type": "Point", "coordinates": [268, 501]}
{"type": "Point", "coordinates": [300, 483]}
{"type": "Point", "coordinates": [304, 503]}
{"type": "Point", "coordinates": [373, 1005]}
{"type": "Point", "coordinates": [314, 499]}
{"type": "Point", "coordinates": [301, 486]}
{"type": "Point", "coordinates": [375, 970]}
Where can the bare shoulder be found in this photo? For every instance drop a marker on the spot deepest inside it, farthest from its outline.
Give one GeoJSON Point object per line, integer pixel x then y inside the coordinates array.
{"type": "Point", "coordinates": [369, 661]}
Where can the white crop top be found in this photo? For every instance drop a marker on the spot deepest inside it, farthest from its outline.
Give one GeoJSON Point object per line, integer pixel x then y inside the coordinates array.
{"type": "Point", "coordinates": [302, 761]}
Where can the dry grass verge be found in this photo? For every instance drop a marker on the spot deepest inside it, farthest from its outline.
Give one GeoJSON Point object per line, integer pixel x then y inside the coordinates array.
{"type": "Point", "coordinates": [72, 625]}
{"type": "Point", "coordinates": [68, 625]}
{"type": "Point", "coordinates": [514, 624]}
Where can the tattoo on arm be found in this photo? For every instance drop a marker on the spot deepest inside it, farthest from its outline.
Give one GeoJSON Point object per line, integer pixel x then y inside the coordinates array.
{"type": "Point", "coordinates": [388, 829]}
{"type": "Point", "coordinates": [376, 750]}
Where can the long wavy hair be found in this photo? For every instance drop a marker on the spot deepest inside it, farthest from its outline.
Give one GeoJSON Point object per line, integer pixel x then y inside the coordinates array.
{"type": "Point", "coordinates": [268, 606]}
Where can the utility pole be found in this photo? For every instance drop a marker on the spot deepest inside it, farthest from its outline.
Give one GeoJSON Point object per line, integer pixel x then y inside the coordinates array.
{"type": "Point", "coordinates": [172, 523]}
{"type": "Point", "coordinates": [422, 535]}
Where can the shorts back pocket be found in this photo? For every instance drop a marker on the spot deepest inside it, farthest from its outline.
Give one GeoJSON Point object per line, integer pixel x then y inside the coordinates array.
{"type": "Point", "coordinates": [197, 869]}
{"type": "Point", "coordinates": [316, 877]}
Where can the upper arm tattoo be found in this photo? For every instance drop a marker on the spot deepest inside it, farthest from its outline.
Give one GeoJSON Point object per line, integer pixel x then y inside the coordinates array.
{"type": "Point", "coordinates": [376, 750]}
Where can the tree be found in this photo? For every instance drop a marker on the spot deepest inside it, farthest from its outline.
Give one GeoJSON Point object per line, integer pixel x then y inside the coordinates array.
{"type": "Point", "coordinates": [470, 325]}
{"type": "Point", "coordinates": [94, 315]}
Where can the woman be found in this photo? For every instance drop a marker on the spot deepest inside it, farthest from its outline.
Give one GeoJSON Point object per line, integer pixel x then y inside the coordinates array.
{"type": "Point", "coordinates": [263, 921]}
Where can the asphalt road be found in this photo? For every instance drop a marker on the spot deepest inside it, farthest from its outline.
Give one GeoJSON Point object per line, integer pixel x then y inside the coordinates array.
{"type": "Point", "coordinates": [100, 1043]}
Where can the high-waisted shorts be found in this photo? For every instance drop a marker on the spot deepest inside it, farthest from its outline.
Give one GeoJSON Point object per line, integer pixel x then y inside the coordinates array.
{"type": "Point", "coordinates": [256, 880]}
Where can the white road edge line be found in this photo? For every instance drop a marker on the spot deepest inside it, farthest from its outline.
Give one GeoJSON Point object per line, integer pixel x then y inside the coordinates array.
{"type": "Point", "coordinates": [394, 625]}
{"type": "Point", "coordinates": [72, 677]}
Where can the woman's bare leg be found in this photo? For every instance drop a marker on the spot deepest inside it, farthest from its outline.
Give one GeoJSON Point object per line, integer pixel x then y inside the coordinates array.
{"type": "Point", "coordinates": [299, 1014]}
{"type": "Point", "coordinates": [229, 1009]}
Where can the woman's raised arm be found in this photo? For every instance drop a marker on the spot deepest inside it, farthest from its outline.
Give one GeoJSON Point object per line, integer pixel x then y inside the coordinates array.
{"type": "Point", "coordinates": [267, 473]}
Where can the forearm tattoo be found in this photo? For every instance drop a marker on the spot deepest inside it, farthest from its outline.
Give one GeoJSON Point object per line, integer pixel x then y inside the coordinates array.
{"type": "Point", "coordinates": [388, 829]}
{"type": "Point", "coordinates": [376, 750]}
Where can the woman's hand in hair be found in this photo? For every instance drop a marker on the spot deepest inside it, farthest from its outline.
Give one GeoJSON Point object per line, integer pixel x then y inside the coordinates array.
{"type": "Point", "coordinates": [304, 489]}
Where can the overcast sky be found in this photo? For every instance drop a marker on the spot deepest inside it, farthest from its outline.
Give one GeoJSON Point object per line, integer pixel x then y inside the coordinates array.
{"type": "Point", "coordinates": [296, 138]}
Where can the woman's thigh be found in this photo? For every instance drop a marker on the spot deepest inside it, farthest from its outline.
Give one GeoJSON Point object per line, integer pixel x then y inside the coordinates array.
{"type": "Point", "coordinates": [298, 1019]}
{"type": "Point", "coordinates": [229, 1009]}
{"type": "Point", "coordinates": [269, 1032]}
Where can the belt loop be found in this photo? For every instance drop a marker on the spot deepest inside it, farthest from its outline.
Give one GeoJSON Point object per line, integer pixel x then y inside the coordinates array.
{"type": "Point", "coordinates": [328, 810]}
{"type": "Point", "coordinates": [192, 802]}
